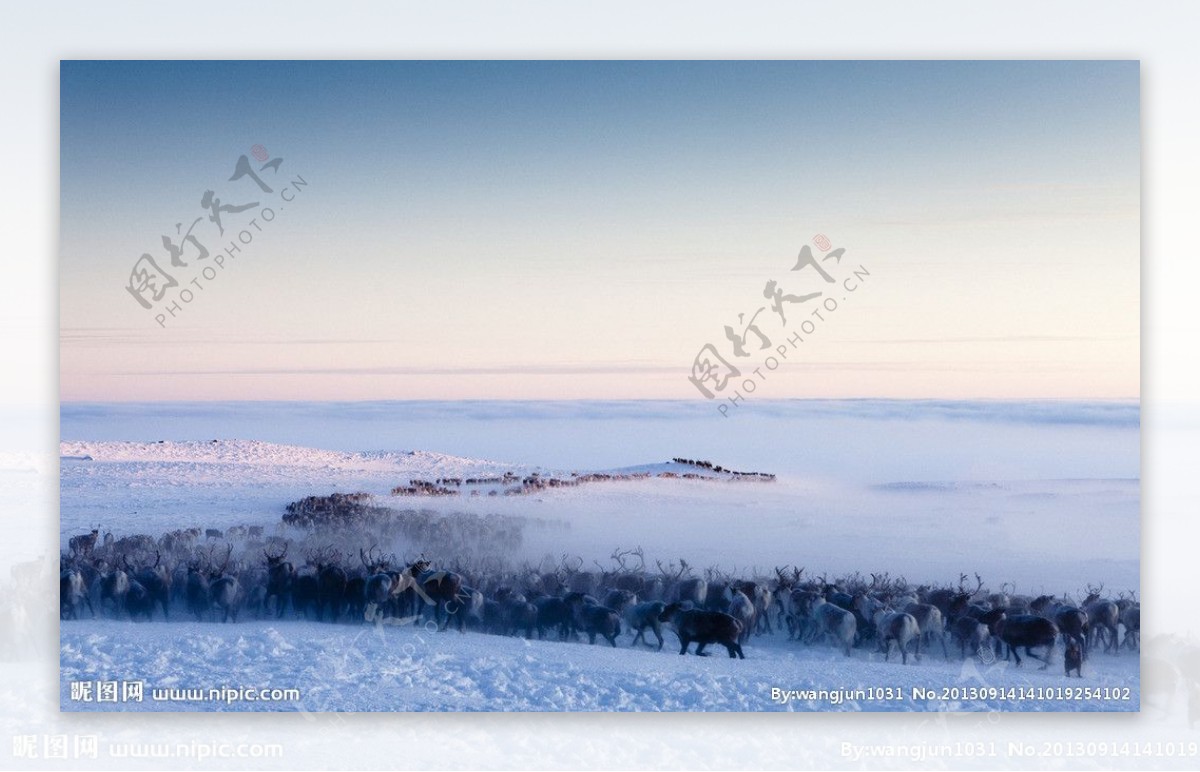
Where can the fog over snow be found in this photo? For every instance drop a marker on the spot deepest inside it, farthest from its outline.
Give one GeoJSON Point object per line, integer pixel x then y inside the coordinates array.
{"type": "Point", "coordinates": [1042, 494]}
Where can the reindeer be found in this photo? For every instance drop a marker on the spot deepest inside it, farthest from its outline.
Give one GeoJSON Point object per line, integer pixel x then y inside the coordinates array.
{"type": "Point", "coordinates": [491, 618]}
{"type": "Point", "coordinates": [553, 613]}
{"type": "Point", "coordinates": [929, 619]}
{"type": "Point", "coordinates": [1003, 598]}
{"type": "Point", "coordinates": [1131, 620]}
{"type": "Point", "coordinates": [306, 588]}
{"type": "Point", "coordinates": [406, 590]}
{"type": "Point", "coordinates": [440, 589]}
{"type": "Point", "coordinates": [224, 589]}
{"type": "Point", "coordinates": [719, 591]}
{"type": "Point", "coordinates": [680, 589]}
{"type": "Point", "coordinates": [899, 627]}
{"type": "Point", "coordinates": [631, 579]}
{"type": "Point", "coordinates": [1104, 616]}
{"type": "Point", "coordinates": [516, 613]}
{"type": "Point", "coordinates": [742, 609]}
{"type": "Point", "coordinates": [1071, 622]}
{"type": "Point", "coordinates": [470, 606]}
{"type": "Point", "coordinates": [377, 586]}
{"type": "Point", "coordinates": [619, 600]}
{"type": "Point", "coordinates": [802, 604]}
{"type": "Point", "coordinates": [138, 602]}
{"type": "Point", "coordinates": [114, 584]}
{"type": "Point", "coordinates": [1073, 659]}
{"type": "Point", "coordinates": [834, 623]}
{"type": "Point", "coordinates": [954, 603]}
{"type": "Point", "coordinates": [763, 599]}
{"type": "Point", "coordinates": [156, 581]}
{"type": "Point", "coordinates": [969, 632]}
{"type": "Point", "coordinates": [82, 546]}
{"type": "Point", "coordinates": [992, 619]}
{"type": "Point", "coordinates": [331, 584]}
{"type": "Point", "coordinates": [1027, 630]}
{"type": "Point", "coordinates": [646, 615]}
{"type": "Point", "coordinates": [280, 575]}
{"type": "Point", "coordinates": [834, 594]}
{"type": "Point", "coordinates": [197, 590]}
{"type": "Point", "coordinates": [594, 619]}
{"type": "Point", "coordinates": [577, 580]}
{"type": "Point", "coordinates": [703, 627]}
{"type": "Point", "coordinates": [72, 594]}
{"type": "Point", "coordinates": [784, 584]}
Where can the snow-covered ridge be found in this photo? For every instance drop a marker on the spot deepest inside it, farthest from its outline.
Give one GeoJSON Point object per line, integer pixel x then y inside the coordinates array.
{"type": "Point", "coordinates": [416, 464]}
{"type": "Point", "coordinates": [256, 453]}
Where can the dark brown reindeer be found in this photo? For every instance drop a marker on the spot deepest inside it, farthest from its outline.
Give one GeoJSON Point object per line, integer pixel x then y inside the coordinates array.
{"type": "Point", "coordinates": [1072, 622]}
{"type": "Point", "coordinates": [1027, 631]}
{"type": "Point", "coordinates": [440, 589]}
{"type": "Point", "coordinates": [704, 627]}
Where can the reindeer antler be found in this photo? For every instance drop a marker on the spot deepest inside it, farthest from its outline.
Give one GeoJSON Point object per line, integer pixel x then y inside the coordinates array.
{"type": "Point", "coordinates": [620, 556]}
{"type": "Point", "coordinates": [670, 571]}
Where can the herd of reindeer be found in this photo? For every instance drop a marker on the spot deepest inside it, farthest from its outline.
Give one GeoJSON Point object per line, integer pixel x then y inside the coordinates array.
{"type": "Point", "coordinates": [215, 576]}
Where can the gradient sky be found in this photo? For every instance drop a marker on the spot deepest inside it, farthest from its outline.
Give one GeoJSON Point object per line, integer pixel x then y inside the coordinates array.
{"type": "Point", "coordinates": [580, 229]}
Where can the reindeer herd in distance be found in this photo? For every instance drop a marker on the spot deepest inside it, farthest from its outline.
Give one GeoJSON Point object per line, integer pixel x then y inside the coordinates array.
{"type": "Point", "coordinates": [511, 484]}
{"type": "Point", "coordinates": [321, 575]}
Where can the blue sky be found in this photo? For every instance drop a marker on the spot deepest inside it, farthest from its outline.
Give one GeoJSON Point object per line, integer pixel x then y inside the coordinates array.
{"type": "Point", "coordinates": [580, 229]}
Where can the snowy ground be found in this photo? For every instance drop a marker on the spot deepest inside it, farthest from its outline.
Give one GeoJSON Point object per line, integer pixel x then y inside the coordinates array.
{"type": "Point", "coordinates": [363, 668]}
